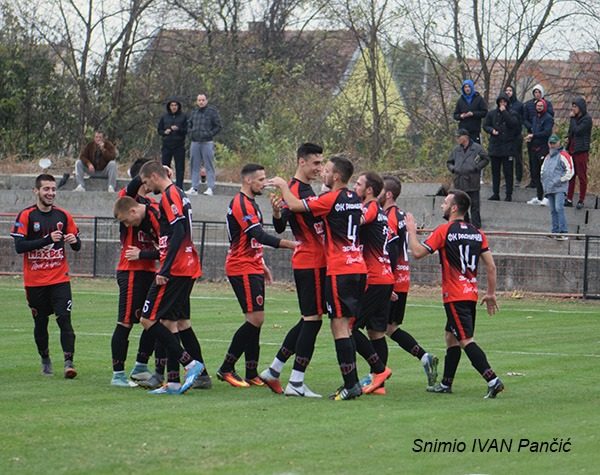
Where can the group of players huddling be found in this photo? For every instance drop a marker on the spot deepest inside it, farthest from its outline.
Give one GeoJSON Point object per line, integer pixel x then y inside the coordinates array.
{"type": "Point", "coordinates": [350, 260]}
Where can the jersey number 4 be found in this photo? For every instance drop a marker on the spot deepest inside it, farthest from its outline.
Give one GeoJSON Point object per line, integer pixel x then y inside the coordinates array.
{"type": "Point", "coordinates": [467, 261]}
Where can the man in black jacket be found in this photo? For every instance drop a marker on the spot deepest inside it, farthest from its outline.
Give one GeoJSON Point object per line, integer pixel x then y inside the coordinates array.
{"type": "Point", "coordinates": [529, 113]}
{"type": "Point", "coordinates": [172, 127]}
{"type": "Point", "coordinates": [578, 145]}
{"type": "Point", "coordinates": [516, 106]}
{"type": "Point", "coordinates": [470, 109]}
{"type": "Point", "coordinates": [502, 124]}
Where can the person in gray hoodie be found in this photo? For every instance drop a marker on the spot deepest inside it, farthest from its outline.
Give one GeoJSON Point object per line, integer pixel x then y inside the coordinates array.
{"type": "Point", "coordinates": [465, 163]}
{"type": "Point", "coordinates": [557, 170]}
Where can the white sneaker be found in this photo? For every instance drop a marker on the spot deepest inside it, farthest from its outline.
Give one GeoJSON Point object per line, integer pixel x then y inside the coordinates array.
{"type": "Point", "coordinates": [111, 189]}
{"type": "Point", "coordinates": [208, 192]}
{"type": "Point", "coordinates": [191, 192]}
{"type": "Point", "coordinates": [534, 201]}
{"type": "Point", "coordinates": [300, 391]}
{"type": "Point", "coordinates": [544, 202]}
{"type": "Point", "coordinates": [79, 188]}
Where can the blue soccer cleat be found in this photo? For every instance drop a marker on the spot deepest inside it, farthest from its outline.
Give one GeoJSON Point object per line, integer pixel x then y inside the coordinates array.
{"type": "Point", "coordinates": [191, 376]}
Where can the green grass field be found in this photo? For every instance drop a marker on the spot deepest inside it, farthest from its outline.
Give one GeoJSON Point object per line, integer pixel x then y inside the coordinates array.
{"type": "Point", "coordinates": [53, 425]}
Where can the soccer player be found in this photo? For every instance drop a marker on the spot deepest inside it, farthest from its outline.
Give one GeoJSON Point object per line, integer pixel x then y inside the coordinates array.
{"type": "Point", "coordinates": [375, 303]}
{"type": "Point", "coordinates": [40, 233]}
{"type": "Point", "coordinates": [398, 252]}
{"type": "Point", "coordinates": [460, 246]}
{"type": "Point", "coordinates": [168, 300]}
{"type": "Point", "coordinates": [308, 263]}
{"type": "Point", "coordinates": [341, 210]}
{"type": "Point", "coordinates": [246, 270]}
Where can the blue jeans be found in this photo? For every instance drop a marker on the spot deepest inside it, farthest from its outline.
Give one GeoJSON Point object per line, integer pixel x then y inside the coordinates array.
{"type": "Point", "coordinates": [556, 201]}
{"type": "Point", "coordinates": [202, 155]}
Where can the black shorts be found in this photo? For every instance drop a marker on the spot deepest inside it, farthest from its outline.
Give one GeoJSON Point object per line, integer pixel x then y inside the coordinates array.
{"type": "Point", "coordinates": [343, 294]}
{"type": "Point", "coordinates": [397, 309]}
{"type": "Point", "coordinates": [133, 289]}
{"type": "Point", "coordinates": [170, 301]}
{"type": "Point", "coordinates": [310, 287]}
{"type": "Point", "coordinates": [50, 299]}
{"type": "Point", "coordinates": [374, 308]}
{"type": "Point", "coordinates": [461, 318]}
{"type": "Point", "coordinates": [250, 291]}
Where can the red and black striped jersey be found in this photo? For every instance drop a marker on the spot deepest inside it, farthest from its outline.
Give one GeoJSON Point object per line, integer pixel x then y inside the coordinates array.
{"type": "Point", "coordinates": [374, 236]}
{"type": "Point", "coordinates": [48, 264]}
{"type": "Point", "coordinates": [399, 240]}
{"type": "Point", "coordinates": [459, 244]}
{"type": "Point", "coordinates": [245, 255]}
{"type": "Point", "coordinates": [341, 211]}
{"type": "Point", "coordinates": [308, 230]}
{"type": "Point", "coordinates": [180, 259]}
{"type": "Point", "coordinates": [144, 237]}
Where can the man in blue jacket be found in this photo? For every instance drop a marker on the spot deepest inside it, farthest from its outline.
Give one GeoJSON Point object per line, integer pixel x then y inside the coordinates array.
{"type": "Point", "coordinates": [470, 110]}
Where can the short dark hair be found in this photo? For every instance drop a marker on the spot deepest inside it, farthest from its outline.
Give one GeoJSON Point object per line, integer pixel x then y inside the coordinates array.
{"type": "Point", "coordinates": [374, 181]}
{"type": "Point", "coordinates": [307, 149]}
{"type": "Point", "coordinates": [153, 166]}
{"type": "Point", "coordinates": [134, 169]}
{"type": "Point", "coordinates": [250, 168]}
{"type": "Point", "coordinates": [393, 185]}
{"type": "Point", "coordinates": [343, 166]}
{"type": "Point", "coordinates": [43, 177]}
{"type": "Point", "coordinates": [461, 200]}
{"type": "Point", "coordinates": [123, 205]}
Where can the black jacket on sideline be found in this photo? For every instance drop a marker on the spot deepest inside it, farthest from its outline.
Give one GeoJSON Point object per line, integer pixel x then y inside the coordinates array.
{"type": "Point", "coordinates": [176, 138]}
{"type": "Point", "coordinates": [507, 124]}
{"type": "Point", "coordinates": [479, 108]}
{"type": "Point", "coordinates": [580, 129]}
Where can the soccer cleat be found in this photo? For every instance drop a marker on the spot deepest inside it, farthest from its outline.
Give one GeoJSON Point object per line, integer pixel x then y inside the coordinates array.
{"type": "Point", "coordinates": [202, 382]}
{"type": "Point", "coordinates": [154, 382]}
{"type": "Point", "coordinates": [271, 381]}
{"type": "Point", "coordinates": [301, 391]}
{"type": "Point", "coordinates": [232, 378]}
{"type": "Point", "coordinates": [430, 368]}
{"type": "Point", "coordinates": [165, 389]}
{"type": "Point", "coordinates": [380, 391]}
{"type": "Point", "coordinates": [494, 389]}
{"type": "Point", "coordinates": [120, 380]}
{"type": "Point", "coordinates": [47, 367]}
{"type": "Point", "coordinates": [70, 371]}
{"type": "Point", "coordinates": [191, 375]}
{"type": "Point", "coordinates": [140, 372]}
{"type": "Point", "coordinates": [256, 381]}
{"type": "Point", "coordinates": [440, 388]}
{"type": "Point", "coordinates": [366, 380]}
{"type": "Point", "coordinates": [192, 192]}
{"type": "Point", "coordinates": [377, 380]}
{"type": "Point", "coordinates": [345, 394]}
{"type": "Point", "coordinates": [209, 192]}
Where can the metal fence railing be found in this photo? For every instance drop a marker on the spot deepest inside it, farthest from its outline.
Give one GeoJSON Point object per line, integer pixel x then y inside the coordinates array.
{"type": "Point", "coordinates": [530, 262]}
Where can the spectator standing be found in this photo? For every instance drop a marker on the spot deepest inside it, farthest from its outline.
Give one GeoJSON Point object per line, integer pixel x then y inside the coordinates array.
{"type": "Point", "coordinates": [537, 141]}
{"type": "Point", "coordinates": [529, 113]}
{"type": "Point", "coordinates": [172, 127]}
{"type": "Point", "coordinates": [470, 110]}
{"type": "Point", "coordinates": [578, 145]}
{"type": "Point", "coordinates": [517, 107]}
{"type": "Point", "coordinates": [203, 125]}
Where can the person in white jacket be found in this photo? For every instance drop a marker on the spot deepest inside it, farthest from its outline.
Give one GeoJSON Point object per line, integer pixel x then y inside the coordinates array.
{"type": "Point", "coordinates": [557, 170]}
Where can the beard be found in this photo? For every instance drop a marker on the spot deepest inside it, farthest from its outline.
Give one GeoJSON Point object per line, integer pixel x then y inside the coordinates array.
{"type": "Point", "coordinates": [446, 215]}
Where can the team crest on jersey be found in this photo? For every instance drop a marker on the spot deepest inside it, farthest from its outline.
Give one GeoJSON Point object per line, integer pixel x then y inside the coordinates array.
{"type": "Point", "coordinates": [259, 300]}
{"type": "Point", "coordinates": [36, 226]}
{"type": "Point", "coordinates": [59, 225]}
{"type": "Point", "coordinates": [349, 194]}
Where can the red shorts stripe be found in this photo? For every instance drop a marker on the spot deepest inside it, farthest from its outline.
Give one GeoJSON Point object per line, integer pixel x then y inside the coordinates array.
{"type": "Point", "coordinates": [459, 327]}
{"type": "Point", "coordinates": [319, 292]}
{"type": "Point", "coordinates": [336, 300]}
{"type": "Point", "coordinates": [159, 296]}
{"type": "Point", "coordinates": [248, 292]}
{"type": "Point", "coordinates": [129, 298]}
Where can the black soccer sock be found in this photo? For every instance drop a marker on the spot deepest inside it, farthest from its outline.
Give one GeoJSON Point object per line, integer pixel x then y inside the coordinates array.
{"type": "Point", "coordinates": [305, 346]}
{"type": "Point", "coordinates": [236, 347]}
{"type": "Point", "coordinates": [67, 336]}
{"type": "Point", "coordinates": [365, 349]}
{"type": "Point", "coordinates": [171, 343]}
{"type": "Point", "coordinates": [119, 344]}
{"type": "Point", "coordinates": [40, 335]}
{"type": "Point", "coordinates": [407, 343]}
{"type": "Point", "coordinates": [191, 344]}
{"type": "Point", "coordinates": [173, 365]}
{"type": "Point", "coordinates": [252, 352]}
{"type": "Point", "coordinates": [145, 347]}
{"type": "Point", "coordinates": [451, 361]}
{"type": "Point", "coordinates": [160, 358]}
{"type": "Point", "coordinates": [288, 347]}
{"type": "Point", "coordinates": [479, 361]}
{"type": "Point", "coordinates": [347, 360]}
{"type": "Point", "coordinates": [381, 348]}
